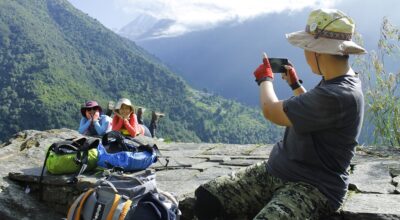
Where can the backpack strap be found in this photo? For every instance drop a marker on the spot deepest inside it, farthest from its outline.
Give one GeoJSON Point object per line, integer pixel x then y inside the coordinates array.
{"type": "Point", "coordinates": [41, 174]}
{"type": "Point", "coordinates": [118, 210]}
{"type": "Point", "coordinates": [124, 210]}
{"type": "Point", "coordinates": [79, 141]}
{"type": "Point", "coordinates": [146, 147]}
{"type": "Point", "coordinates": [82, 156]}
{"type": "Point", "coordinates": [151, 148]}
{"type": "Point", "coordinates": [72, 208]}
{"type": "Point", "coordinates": [169, 196]}
{"type": "Point", "coordinates": [119, 138]}
{"type": "Point", "coordinates": [135, 140]}
{"type": "Point", "coordinates": [75, 208]}
{"type": "Point", "coordinates": [56, 148]}
{"type": "Point", "coordinates": [64, 148]}
{"type": "Point", "coordinates": [114, 206]}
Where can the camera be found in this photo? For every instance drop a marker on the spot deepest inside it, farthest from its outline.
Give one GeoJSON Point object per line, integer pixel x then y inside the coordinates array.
{"type": "Point", "coordinates": [277, 64]}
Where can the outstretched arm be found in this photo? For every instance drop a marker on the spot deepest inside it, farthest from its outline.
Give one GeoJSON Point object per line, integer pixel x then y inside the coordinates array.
{"type": "Point", "coordinates": [104, 127]}
{"type": "Point", "coordinates": [83, 125]}
{"type": "Point", "coordinates": [117, 123]}
{"type": "Point", "coordinates": [133, 127]}
{"type": "Point", "coordinates": [271, 106]}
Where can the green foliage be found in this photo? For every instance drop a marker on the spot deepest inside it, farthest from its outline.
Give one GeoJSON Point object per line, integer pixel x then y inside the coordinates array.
{"type": "Point", "coordinates": [382, 86]}
{"type": "Point", "coordinates": [54, 57]}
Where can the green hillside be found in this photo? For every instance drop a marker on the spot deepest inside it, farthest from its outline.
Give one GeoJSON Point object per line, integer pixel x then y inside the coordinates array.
{"type": "Point", "coordinates": [54, 57]}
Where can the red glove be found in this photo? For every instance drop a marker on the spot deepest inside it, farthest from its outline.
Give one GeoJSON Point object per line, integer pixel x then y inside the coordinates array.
{"type": "Point", "coordinates": [264, 72]}
{"type": "Point", "coordinates": [292, 78]}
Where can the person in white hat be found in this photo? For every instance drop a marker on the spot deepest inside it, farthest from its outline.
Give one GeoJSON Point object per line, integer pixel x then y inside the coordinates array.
{"type": "Point", "coordinates": [125, 120]}
{"type": "Point", "coordinates": [306, 174]}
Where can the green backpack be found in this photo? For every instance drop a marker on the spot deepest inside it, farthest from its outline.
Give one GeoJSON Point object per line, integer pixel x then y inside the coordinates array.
{"type": "Point", "coordinates": [71, 156]}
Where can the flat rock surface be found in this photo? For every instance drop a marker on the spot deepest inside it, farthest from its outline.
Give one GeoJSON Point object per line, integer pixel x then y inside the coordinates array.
{"type": "Point", "coordinates": [374, 177]}
{"type": "Point", "coordinates": [367, 203]}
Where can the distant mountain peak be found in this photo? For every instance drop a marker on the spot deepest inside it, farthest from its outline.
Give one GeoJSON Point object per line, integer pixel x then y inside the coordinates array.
{"type": "Point", "coordinates": [145, 27]}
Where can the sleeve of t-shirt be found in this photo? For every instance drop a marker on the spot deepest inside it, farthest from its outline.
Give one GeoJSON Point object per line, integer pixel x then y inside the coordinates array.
{"type": "Point", "coordinates": [316, 109]}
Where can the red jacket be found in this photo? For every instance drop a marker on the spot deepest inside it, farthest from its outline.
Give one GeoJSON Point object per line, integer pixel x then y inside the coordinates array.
{"type": "Point", "coordinates": [133, 127]}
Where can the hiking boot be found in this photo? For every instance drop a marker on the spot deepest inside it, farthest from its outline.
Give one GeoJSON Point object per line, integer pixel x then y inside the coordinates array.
{"type": "Point", "coordinates": [156, 115]}
{"type": "Point", "coordinates": [110, 108]}
{"type": "Point", "coordinates": [140, 111]}
{"type": "Point", "coordinates": [111, 105]}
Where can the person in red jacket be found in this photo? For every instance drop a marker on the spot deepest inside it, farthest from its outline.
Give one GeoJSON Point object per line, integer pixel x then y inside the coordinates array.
{"type": "Point", "coordinates": [125, 120]}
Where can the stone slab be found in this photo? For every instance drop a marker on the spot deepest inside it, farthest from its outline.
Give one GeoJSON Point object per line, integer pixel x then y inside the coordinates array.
{"type": "Point", "coordinates": [176, 162]}
{"type": "Point", "coordinates": [231, 149]}
{"type": "Point", "coordinates": [372, 177]}
{"type": "Point", "coordinates": [214, 172]}
{"type": "Point", "coordinates": [373, 204]}
{"type": "Point", "coordinates": [263, 150]}
{"type": "Point", "coordinates": [394, 169]}
{"type": "Point", "coordinates": [180, 189]}
{"type": "Point", "coordinates": [218, 158]}
{"type": "Point", "coordinates": [380, 151]}
{"type": "Point", "coordinates": [176, 175]}
{"type": "Point", "coordinates": [396, 183]}
{"type": "Point", "coordinates": [186, 146]}
{"type": "Point", "coordinates": [240, 162]}
{"type": "Point", "coordinates": [203, 166]}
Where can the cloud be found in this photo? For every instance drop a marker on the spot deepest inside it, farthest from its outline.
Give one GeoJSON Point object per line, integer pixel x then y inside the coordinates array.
{"type": "Point", "coordinates": [191, 15]}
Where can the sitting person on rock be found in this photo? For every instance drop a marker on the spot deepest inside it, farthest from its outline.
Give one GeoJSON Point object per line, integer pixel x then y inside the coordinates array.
{"type": "Point", "coordinates": [306, 175]}
{"type": "Point", "coordinates": [93, 122]}
{"type": "Point", "coordinates": [128, 123]}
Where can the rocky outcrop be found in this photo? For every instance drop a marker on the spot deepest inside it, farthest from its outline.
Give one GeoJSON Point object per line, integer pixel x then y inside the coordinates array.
{"type": "Point", "coordinates": [374, 176]}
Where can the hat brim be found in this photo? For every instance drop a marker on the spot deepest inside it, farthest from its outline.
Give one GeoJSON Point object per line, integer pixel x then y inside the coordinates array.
{"type": "Point", "coordinates": [307, 41]}
{"type": "Point", "coordinates": [125, 102]}
{"type": "Point", "coordinates": [83, 110]}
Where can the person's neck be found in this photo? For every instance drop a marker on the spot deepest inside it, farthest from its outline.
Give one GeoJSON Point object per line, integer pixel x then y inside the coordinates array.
{"type": "Point", "coordinates": [333, 68]}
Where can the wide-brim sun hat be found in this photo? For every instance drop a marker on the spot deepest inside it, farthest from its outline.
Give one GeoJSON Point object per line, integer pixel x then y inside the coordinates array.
{"type": "Point", "coordinates": [328, 31]}
{"type": "Point", "coordinates": [90, 104]}
{"type": "Point", "coordinates": [124, 101]}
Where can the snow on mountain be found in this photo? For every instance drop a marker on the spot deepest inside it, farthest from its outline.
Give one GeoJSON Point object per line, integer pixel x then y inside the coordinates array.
{"type": "Point", "coordinates": [146, 27]}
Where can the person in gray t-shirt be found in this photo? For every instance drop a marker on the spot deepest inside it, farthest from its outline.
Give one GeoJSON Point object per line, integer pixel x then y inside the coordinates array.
{"type": "Point", "coordinates": [306, 174]}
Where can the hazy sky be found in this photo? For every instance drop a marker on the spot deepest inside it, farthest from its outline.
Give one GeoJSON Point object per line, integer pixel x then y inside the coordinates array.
{"type": "Point", "coordinates": [199, 14]}
{"type": "Point", "coordinates": [190, 14]}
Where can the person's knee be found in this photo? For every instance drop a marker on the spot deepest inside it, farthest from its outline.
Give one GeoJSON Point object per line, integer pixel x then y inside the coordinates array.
{"type": "Point", "coordinates": [277, 211]}
{"type": "Point", "coordinates": [207, 206]}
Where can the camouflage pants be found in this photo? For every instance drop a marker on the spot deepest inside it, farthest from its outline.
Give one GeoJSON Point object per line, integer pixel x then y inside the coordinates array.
{"type": "Point", "coordinates": [252, 191]}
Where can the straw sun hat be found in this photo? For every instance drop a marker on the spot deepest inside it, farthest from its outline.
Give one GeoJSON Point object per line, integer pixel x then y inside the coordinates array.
{"type": "Point", "coordinates": [124, 101]}
{"type": "Point", "coordinates": [328, 31]}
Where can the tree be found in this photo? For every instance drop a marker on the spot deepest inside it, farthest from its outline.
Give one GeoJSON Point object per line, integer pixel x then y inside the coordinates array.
{"type": "Point", "coordinates": [382, 92]}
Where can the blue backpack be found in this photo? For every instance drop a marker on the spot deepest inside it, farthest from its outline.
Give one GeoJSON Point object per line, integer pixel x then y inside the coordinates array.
{"type": "Point", "coordinates": [125, 154]}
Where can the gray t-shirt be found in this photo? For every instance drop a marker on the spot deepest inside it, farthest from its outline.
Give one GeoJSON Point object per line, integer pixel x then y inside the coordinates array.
{"type": "Point", "coordinates": [318, 148]}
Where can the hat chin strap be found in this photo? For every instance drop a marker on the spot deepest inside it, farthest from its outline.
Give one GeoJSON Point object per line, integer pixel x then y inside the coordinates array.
{"type": "Point", "coordinates": [316, 59]}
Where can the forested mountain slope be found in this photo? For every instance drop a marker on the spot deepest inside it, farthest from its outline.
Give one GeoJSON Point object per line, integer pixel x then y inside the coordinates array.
{"type": "Point", "coordinates": [54, 57]}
